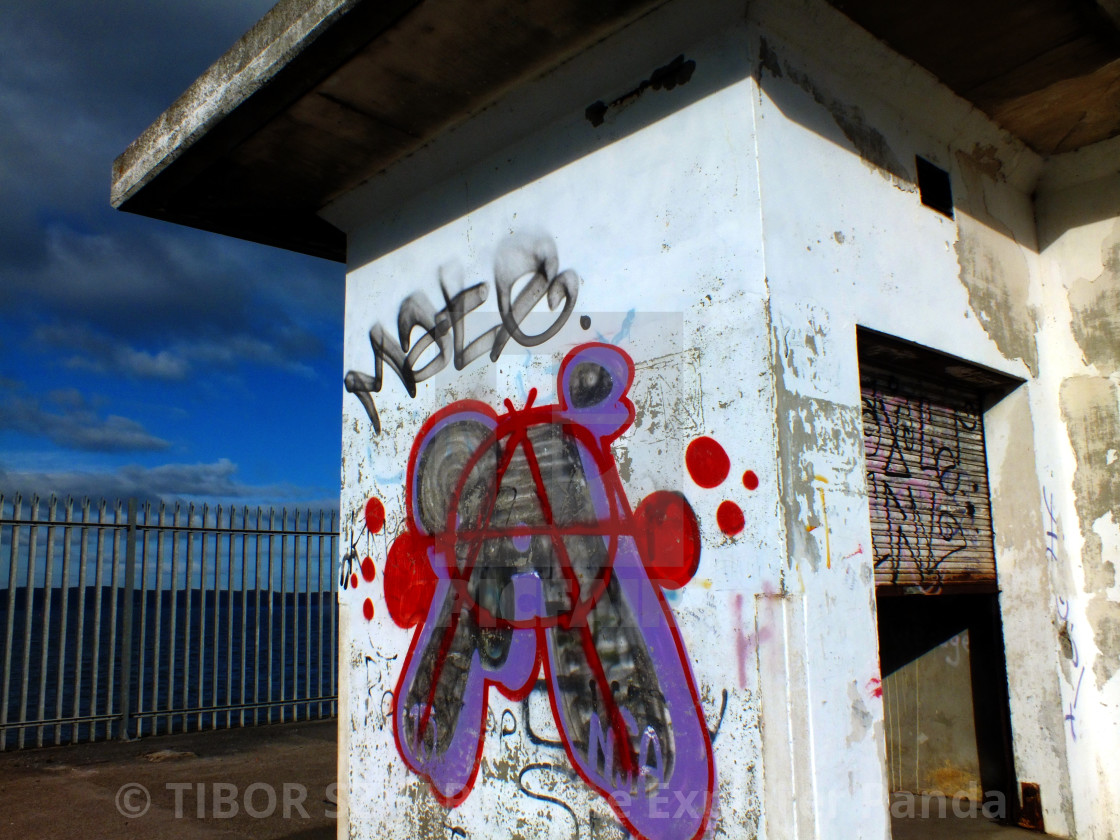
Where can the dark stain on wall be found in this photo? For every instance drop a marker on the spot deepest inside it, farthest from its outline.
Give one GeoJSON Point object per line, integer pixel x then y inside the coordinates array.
{"type": "Point", "coordinates": [1030, 816]}
{"type": "Point", "coordinates": [677, 72]}
{"type": "Point", "coordinates": [869, 142]}
{"type": "Point", "coordinates": [768, 59]}
{"type": "Point", "coordinates": [993, 268]}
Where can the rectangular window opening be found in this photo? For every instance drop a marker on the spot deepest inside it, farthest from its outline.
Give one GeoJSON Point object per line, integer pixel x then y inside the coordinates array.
{"type": "Point", "coordinates": [934, 187]}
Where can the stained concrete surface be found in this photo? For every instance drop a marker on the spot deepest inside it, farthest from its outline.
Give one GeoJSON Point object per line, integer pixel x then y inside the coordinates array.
{"type": "Point", "coordinates": [63, 792]}
{"type": "Point", "coordinates": [949, 826]}
{"type": "Point", "coordinates": [76, 791]}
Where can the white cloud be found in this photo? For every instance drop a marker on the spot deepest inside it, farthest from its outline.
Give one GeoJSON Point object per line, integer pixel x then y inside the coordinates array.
{"type": "Point", "coordinates": [159, 307]}
{"type": "Point", "coordinates": [215, 483]}
{"type": "Point", "coordinates": [68, 419]}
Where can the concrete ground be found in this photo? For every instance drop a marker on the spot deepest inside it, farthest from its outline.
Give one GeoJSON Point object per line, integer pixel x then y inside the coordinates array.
{"type": "Point", "coordinates": [257, 783]}
{"type": "Point", "coordinates": [940, 822]}
{"type": "Point", "coordinates": [265, 783]}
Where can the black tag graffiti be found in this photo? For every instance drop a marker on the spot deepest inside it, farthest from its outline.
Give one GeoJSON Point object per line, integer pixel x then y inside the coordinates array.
{"type": "Point", "coordinates": [534, 261]}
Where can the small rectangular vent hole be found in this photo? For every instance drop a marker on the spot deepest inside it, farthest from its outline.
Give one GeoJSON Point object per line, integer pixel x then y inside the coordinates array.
{"type": "Point", "coordinates": [934, 187]}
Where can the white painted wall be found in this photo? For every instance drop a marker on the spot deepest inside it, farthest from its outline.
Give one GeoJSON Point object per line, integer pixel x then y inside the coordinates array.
{"type": "Point", "coordinates": [1079, 220]}
{"type": "Point", "coordinates": [730, 235]}
{"type": "Point", "coordinates": [849, 243]}
{"type": "Point", "coordinates": [660, 219]}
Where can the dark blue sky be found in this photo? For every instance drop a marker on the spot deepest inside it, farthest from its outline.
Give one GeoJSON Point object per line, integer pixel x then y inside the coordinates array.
{"type": "Point", "coordinates": [137, 357]}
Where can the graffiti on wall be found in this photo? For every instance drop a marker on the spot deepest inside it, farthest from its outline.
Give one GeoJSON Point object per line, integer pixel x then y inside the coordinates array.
{"type": "Point", "coordinates": [354, 568]}
{"type": "Point", "coordinates": [521, 552]}
{"type": "Point", "coordinates": [443, 337]}
{"type": "Point", "coordinates": [928, 490]}
{"type": "Point", "coordinates": [1065, 623]}
{"type": "Point", "coordinates": [1070, 648]}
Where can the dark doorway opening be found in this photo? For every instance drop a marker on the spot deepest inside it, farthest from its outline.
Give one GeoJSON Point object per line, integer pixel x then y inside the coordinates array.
{"type": "Point", "coordinates": [945, 692]}
{"type": "Point", "coordinates": [947, 713]}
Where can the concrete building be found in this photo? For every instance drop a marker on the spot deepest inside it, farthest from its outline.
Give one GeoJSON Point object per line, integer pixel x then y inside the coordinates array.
{"type": "Point", "coordinates": [731, 406]}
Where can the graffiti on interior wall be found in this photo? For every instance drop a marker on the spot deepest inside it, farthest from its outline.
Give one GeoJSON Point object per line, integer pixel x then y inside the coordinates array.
{"type": "Point", "coordinates": [957, 650]}
{"type": "Point", "coordinates": [922, 491]}
{"type": "Point", "coordinates": [521, 551]}
{"type": "Point", "coordinates": [443, 336]}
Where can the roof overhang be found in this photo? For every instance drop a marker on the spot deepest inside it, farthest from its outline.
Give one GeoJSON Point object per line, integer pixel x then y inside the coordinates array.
{"type": "Point", "coordinates": [1048, 71]}
{"type": "Point", "coordinates": [321, 95]}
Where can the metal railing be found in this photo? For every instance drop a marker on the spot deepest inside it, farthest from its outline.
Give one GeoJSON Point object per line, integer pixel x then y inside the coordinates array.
{"type": "Point", "coordinates": [127, 620]}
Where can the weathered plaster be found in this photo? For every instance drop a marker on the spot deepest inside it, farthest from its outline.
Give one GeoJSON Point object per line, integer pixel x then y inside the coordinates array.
{"type": "Point", "coordinates": [1091, 410]}
{"type": "Point", "coordinates": [1027, 586]}
{"type": "Point", "coordinates": [861, 718]}
{"type": "Point", "coordinates": [1015, 488]}
{"type": "Point", "coordinates": [1095, 307]}
{"type": "Point", "coordinates": [816, 438]}
{"type": "Point", "coordinates": [1104, 618]}
{"type": "Point", "coordinates": [994, 268]}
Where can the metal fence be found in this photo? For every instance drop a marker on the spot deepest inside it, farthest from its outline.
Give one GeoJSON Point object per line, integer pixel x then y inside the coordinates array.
{"type": "Point", "coordinates": [134, 619]}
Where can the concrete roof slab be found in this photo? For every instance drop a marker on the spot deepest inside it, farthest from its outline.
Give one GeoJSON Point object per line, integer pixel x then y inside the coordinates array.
{"type": "Point", "coordinates": [323, 94]}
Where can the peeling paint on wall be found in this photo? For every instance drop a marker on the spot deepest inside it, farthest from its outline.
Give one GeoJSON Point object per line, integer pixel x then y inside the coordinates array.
{"type": "Point", "coordinates": [1091, 411]}
{"type": "Point", "coordinates": [986, 159]}
{"type": "Point", "coordinates": [815, 436]}
{"type": "Point", "coordinates": [1015, 487]}
{"type": "Point", "coordinates": [1095, 306]}
{"type": "Point", "coordinates": [1033, 566]}
{"type": "Point", "coordinates": [994, 270]}
{"type": "Point", "coordinates": [1104, 618]}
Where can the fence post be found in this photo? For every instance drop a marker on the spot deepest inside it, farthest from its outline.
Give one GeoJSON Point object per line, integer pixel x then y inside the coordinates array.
{"type": "Point", "coordinates": [126, 636]}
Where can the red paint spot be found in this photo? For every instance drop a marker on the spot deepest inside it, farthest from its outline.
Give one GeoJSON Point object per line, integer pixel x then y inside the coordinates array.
{"type": "Point", "coordinates": [410, 582]}
{"type": "Point", "coordinates": [353, 581]}
{"type": "Point", "coordinates": [367, 609]}
{"type": "Point", "coordinates": [750, 480]}
{"type": "Point", "coordinates": [729, 517]}
{"type": "Point", "coordinates": [368, 570]}
{"type": "Point", "coordinates": [707, 463]}
{"type": "Point", "coordinates": [876, 686]}
{"type": "Point", "coordinates": [375, 515]}
{"type": "Point", "coordinates": [668, 538]}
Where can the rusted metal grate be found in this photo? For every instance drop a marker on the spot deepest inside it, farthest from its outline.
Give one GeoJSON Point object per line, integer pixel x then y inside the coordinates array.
{"type": "Point", "coordinates": [927, 477]}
